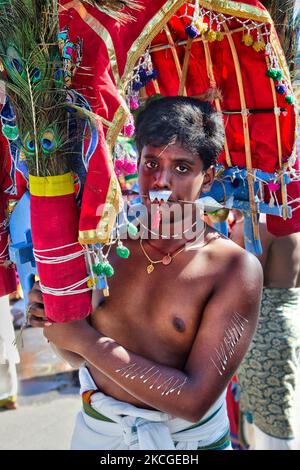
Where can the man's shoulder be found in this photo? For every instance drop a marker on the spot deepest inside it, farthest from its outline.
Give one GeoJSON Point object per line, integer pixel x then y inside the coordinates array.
{"type": "Point", "coordinates": [232, 261]}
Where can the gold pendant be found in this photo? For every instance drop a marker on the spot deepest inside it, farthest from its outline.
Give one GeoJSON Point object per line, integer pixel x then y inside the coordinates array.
{"type": "Point", "coordinates": [150, 268]}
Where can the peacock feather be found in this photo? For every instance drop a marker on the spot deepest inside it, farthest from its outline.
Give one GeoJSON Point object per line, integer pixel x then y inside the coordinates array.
{"type": "Point", "coordinates": [31, 67]}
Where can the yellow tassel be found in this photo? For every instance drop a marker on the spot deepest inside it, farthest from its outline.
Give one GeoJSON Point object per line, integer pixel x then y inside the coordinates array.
{"type": "Point", "coordinates": [211, 35]}
{"type": "Point", "coordinates": [220, 36]}
{"type": "Point", "coordinates": [248, 40]}
{"type": "Point", "coordinates": [259, 46]}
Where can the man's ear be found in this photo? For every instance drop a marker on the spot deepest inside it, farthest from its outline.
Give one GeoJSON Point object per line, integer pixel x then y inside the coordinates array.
{"type": "Point", "coordinates": [208, 180]}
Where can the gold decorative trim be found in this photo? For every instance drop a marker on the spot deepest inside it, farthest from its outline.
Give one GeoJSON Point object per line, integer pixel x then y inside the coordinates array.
{"type": "Point", "coordinates": [111, 209]}
{"type": "Point", "coordinates": [151, 29]}
{"type": "Point", "coordinates": [239, 9]}
{"type": "Point", "coordinates": [117, 125]}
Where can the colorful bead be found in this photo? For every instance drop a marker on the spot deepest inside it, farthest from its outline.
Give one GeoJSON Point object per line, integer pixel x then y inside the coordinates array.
{"type": "Point", "coordinates": [108, 270]}
{"type": "Point", "coordinates": [97, 269]}
{"type": "Point", "coordinates": [290, 99]}
{"type": "Point", "coordinates": [271, 73]}
{"type": "Point", "coordinates": [132, 230]}
{"type": "Point", "coordinates": [133, 102]}
{"type": "Point", "coordinates": [192, 31]}
{"type": "Point", "coordinates": [275, 74]}
{"type": "Point", "coordinates": [259, 46]}
{"type": "Point", "coordinates": [123, 251]}
{"type": "Point", "coordinates": [92, 282]}
{"type": "Point", "coordinates": [129, 129]}
{"type": "Point", "coordinates": [211, 35]}
{"type": "Point", "coordinates": [281, 89]}
{"type": "Point", "coordinates": [153, 75]}
{"type": "Point", "coordinates": [273, 187]}
{"type": "Point", "coordinates": [137, 85]}
{"type": "Point", "coordinates": [248, 40]}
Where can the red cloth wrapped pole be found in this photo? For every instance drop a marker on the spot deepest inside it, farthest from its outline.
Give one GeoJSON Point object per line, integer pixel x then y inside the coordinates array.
{"type": "Point", "coordinates": [54, 224]}
{"type": "Point", "coordinates": [8, 282]}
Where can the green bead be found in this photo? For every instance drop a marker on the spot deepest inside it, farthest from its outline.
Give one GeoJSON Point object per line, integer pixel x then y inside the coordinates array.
{"type": "Point", "coordinates": [108, 270]}
{"type": "Point", "coordinates": [290, 99]}
{"type": "Point", "coordinates": [275, 74]}
{"type": "Point", "coordinates": [96, 269]}
{"type": "Point", "coordinates": [123, 252]}
{"type": "Point", "coordinates": [132, 230]}
{"type": "Point", "coordinates": [10, 132]}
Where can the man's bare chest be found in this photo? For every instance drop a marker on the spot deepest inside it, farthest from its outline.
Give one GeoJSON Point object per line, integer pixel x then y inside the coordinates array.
{"type": "Point", "coordinates": [155, 314]}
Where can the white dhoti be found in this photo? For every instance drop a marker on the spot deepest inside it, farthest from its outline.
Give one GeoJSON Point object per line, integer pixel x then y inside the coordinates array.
{"type": "Point", "coordinates": [117, 425]}
{"type": "Point", "coordinates": [9, 355]}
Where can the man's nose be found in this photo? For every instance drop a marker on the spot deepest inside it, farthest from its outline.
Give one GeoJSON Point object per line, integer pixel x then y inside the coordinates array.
{"type": "Point", "coordinates": [162, 180]}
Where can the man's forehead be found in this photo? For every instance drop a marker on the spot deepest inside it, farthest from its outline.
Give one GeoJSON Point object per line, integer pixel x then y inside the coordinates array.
{"type": "Point", "coordinates": [173, 151]}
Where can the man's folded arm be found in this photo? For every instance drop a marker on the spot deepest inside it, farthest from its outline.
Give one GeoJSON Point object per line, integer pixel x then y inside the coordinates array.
{"type": "Point", "coordinates": [227, 327]}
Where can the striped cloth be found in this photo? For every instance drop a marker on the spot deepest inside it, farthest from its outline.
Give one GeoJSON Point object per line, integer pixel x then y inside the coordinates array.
{"type": "Point", "coordinates": [107, 423]}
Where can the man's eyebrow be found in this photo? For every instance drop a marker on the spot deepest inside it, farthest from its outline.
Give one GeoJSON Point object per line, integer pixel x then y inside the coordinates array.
{"type": "Point", "coordinates": [189, 160]}
{"type": "Point", "coordinates": [185, 160]}
{"type": "Point", "coordinates": [151, 155]}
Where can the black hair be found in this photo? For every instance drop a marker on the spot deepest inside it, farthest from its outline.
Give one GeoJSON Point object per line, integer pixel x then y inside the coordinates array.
{"type": "Point", "coordinates": [197, 127]}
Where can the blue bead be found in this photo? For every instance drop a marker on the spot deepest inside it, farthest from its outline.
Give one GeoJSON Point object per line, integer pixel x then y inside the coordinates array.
{"type": "Point", "coordinates": [154, 74]}
{"type": "Point", "coordinates": [143, 74]}
{"type": "Point", "coordinates": [281, 89]}
{"type": "Point", "coordinates": [137, 86]}
{"type": "Point", "coordinates": [192, 31]}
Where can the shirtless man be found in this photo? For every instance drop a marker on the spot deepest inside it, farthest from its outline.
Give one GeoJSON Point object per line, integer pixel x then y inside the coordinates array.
{"type": "Point", "coordinates": [268, 375]}
{"type": "Point", "coordinates": [160, 351]}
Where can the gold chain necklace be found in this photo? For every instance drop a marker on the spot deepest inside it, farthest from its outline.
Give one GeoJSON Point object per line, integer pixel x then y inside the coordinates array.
{"type": "Point", "coordinates": [168, 258]}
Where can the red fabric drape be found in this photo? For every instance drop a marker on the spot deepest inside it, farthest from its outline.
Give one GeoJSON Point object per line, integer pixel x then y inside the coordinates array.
{"type": "Point", "coordinates": [7, 274]}
{"type": "Point", "coordinates": [8, 282]}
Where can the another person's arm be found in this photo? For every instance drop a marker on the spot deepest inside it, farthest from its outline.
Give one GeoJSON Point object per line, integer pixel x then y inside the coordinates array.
{"type": "Point", "coordinates": [226, 330]}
